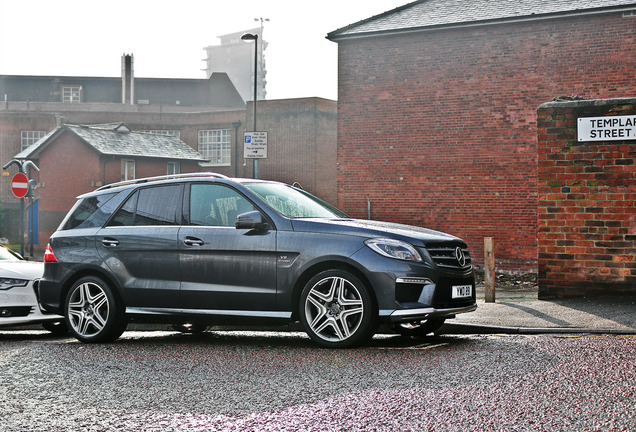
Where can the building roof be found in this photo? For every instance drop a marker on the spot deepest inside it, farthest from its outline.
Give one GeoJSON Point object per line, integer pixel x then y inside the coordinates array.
{"type": "Point", "coordinates": [118, 140]}
{"type": "Point", "coordinates": [430, 14]}
{"type": "Point", "coordinates": [216, 91]}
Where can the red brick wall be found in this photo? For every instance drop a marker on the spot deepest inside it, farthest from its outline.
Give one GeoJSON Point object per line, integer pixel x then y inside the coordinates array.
{"type": "Point", "coordinates": [301, 143]}
{"type": "Point", "coordinates": [11, 127]}
{"type": "Point", "coordinates": [438, 128]}
{"type": "Point", "coordinates": [587, 203]}
{"type": "Point", "coordinates": [69, 168]}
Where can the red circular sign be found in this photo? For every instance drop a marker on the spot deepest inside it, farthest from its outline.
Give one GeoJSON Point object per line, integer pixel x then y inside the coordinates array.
{"type": "Point", "coordinates": [20, 185]}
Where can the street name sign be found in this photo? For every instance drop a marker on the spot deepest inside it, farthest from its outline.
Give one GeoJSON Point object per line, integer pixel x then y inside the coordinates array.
{"type": "Point", "coordinates": [255, 145]}
{"type": "Point", "coordinates": [609, 128]}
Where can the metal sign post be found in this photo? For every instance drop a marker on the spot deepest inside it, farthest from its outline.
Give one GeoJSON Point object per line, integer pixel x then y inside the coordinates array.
{"type": "Point", "coordinates": [21, 188]}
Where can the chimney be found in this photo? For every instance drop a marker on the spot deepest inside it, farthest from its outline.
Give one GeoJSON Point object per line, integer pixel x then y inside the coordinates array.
{"type": "Point", "coordinates": [127, 79]}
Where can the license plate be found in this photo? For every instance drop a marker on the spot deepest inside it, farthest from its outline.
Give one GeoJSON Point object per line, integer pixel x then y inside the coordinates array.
{"type": "Point", "coordinates": [461, 291]}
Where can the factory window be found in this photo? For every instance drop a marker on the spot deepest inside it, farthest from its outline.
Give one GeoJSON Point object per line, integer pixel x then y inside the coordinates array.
{"type": "Point", "coordinates": [30, 137]}
{"type": "Point", "coordinates": [215, 145]}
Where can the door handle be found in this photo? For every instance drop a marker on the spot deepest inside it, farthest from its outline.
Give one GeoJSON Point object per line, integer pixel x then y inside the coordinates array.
{"type": "Point", "coordinates": [193, 241]}
{"type": "Point", "coordinates": [110, 242]}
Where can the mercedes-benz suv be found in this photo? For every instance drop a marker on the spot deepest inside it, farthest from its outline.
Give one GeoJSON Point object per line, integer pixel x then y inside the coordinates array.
{"type": "Point", "coordinates": [204, 249]}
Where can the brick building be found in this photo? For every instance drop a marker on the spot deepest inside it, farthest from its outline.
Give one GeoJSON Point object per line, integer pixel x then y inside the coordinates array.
{"type": "Point", "coordinates": [75, 159]}
{"type": "Point", "coordinates": [301, 143]}
{"type": "Point", "coordinates": [587, 197]}
{"type": "Point", "coordinates": [208, 115]}
{"type": "Point", "coordinates": [437, 109]}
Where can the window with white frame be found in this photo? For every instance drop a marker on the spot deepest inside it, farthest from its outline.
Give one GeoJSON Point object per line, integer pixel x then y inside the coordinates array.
{"type": "Point", "coordinates": [128, 169]}
{"type": "Point", "coordinates": [71, 94]}
{"type": "Point", "coordinates": [215, 145]}
{"type": "Point", "coordinates": [174, 168]}
{"type": "Point", "coordinates": [28, 138]}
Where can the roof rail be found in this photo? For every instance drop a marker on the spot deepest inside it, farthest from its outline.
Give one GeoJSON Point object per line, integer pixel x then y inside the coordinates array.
{"type": "Point", "coordinates": [163, 177]}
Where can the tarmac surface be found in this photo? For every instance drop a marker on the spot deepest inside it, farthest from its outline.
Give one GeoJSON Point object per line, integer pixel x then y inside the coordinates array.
{"type": "Point", "coordinates": [518, 311]}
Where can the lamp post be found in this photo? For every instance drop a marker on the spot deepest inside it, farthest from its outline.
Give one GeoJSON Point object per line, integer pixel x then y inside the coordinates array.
{"type": "Point", "coordinates": [261, 61]}
{"type": "Point", "coordinates": [254, 37]}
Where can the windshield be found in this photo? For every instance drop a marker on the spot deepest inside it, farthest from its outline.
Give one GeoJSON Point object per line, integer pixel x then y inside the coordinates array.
{"type": "Point", "coordinates": [294, 203]}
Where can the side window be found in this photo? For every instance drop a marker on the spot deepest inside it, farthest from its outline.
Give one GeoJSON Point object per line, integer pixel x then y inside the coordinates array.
{"type": "Point", "coordinates": [150, 206]}
{"type": "Point", "coordinates": [216, 205]}
{"type": "Point", "coordinates": [91, 212]}
{"type": "Point", "coordinates": [158, 206]}
{"type": "Point", "coordinates": [126, 214]}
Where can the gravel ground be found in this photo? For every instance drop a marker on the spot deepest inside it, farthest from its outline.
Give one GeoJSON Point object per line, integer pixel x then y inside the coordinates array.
{"type": "Point", "coordinates": [160, 381]}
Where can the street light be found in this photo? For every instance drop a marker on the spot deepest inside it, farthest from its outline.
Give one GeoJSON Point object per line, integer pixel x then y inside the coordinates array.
{"type": "Point", "coordinates": [261, 62]}
{"type": "Point", "coordinates": [254, 37]}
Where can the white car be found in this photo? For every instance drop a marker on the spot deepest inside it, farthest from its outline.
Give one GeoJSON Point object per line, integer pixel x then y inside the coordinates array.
{"type": "Point", "coordinates": [18, 301]}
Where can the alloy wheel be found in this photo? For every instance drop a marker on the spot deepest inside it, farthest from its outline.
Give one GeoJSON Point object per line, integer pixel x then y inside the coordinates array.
{"type": "Point", "coordinates": [334, 309]}
{"type": "Point", "coordinates": [88, 309]}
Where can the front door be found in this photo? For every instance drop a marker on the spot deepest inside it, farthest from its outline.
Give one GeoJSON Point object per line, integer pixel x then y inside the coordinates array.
{"type": "Point", "coordinates": [224, 268]}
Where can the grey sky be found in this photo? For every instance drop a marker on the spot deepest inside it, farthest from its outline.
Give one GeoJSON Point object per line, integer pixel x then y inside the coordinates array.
{"type": "Point", "coordinates": [87, 38]}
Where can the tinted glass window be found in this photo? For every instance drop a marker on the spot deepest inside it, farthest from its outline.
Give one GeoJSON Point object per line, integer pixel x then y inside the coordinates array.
{"type": "Point", "coordinates": [126, 214]}
{"type": "Point", "coordinates": [92, 212]}
{"type": "Point", "coordinates": [150, 206]}
{"type": "Point", "coordinates": [158, 205]}
{"type": "Point", "coordinates": [216, 205]}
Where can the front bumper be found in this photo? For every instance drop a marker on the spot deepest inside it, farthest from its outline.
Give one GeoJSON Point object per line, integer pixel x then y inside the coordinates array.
{"type": "Point", "coordinates": [19, 305]}
{"type": "Point", "coordinates": [421, 314]}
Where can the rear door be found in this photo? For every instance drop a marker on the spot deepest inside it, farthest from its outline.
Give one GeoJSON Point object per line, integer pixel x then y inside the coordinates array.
{"type": "Point", "coordinates": [223, 268]}
{"type": "Point", "coordinates": [139, 245]}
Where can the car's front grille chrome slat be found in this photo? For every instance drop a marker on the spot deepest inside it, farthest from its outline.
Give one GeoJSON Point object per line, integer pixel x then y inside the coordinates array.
{"type": "Point", "coordinates": [451, 255]}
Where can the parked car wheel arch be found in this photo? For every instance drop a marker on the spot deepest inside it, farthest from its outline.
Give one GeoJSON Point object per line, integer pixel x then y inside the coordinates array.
{"type": "Point", "coordinates": [320, 267]}
{"type": "Point", "coordinates": [97, 272]}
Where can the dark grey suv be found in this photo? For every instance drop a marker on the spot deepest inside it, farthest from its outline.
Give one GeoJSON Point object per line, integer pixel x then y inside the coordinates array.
{"type": "Point", "coordinates": [204, 249]}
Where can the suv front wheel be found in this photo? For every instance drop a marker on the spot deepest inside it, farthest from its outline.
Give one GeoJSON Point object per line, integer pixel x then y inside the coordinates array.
{"type": "Point", "coordinates": [337, 310]}
{"type": "Point", "coordinates": [92, 311]}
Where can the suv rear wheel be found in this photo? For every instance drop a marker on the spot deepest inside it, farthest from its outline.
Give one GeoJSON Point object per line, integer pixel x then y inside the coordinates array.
{"type": "Point", "coordinates": [92, 312]}
{"type": "Point", "coordinates": [337, 310]}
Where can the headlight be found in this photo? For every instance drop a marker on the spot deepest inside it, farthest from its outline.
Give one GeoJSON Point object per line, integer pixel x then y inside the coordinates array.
{"type": "Point", "coordinates": [6, 283]}
{"type": "Point", "coordinates": [394, 249]}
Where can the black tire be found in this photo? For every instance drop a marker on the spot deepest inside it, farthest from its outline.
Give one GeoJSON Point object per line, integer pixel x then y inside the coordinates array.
{"type": "Point", "coordinates": [337, 310]}
{"type": "Point", "coordinates": [193, 328]}
{"type": "Point", "coordinates": [93, 312]}
{"type": "Point", "coordinates": [418, 328]}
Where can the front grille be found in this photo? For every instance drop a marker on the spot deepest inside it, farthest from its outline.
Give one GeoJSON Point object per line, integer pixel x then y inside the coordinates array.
{"type": "Point", "coordinates": [445, 255]}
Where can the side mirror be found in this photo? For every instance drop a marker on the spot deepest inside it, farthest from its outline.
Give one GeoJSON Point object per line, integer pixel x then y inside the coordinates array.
{"type": "Point", "coordinates": [250, 220]}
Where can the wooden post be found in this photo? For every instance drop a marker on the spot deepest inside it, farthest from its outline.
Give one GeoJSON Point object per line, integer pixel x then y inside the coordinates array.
{"type": "Point", "coordinates": [489, 269]}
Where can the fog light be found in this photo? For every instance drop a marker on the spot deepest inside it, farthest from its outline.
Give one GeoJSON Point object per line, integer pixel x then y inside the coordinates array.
{"type": "Point", "coordinates": [4, 312]}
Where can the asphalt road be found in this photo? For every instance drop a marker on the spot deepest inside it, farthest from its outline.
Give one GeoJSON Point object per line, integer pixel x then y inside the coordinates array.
{"type": "Point", "coordinates": [238, 381]}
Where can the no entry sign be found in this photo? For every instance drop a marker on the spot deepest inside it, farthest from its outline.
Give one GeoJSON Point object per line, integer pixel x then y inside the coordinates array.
{"type": "Point", "coordinates": [20, 185]}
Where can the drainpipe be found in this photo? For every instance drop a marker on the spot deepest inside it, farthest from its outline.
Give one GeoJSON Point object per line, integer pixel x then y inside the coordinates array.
{"type": "Point", "coordinates": [236, 125]}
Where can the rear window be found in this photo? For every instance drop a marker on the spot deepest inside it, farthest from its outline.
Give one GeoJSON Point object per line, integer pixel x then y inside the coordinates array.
{"type": "Point", "coordinates": [91, 212]}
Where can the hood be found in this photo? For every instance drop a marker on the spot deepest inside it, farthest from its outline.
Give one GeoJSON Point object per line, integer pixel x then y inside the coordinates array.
{"type": "Point", "coordinates": [372, 229]}
{"type": "Point", "coordinates": [21, 269]}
